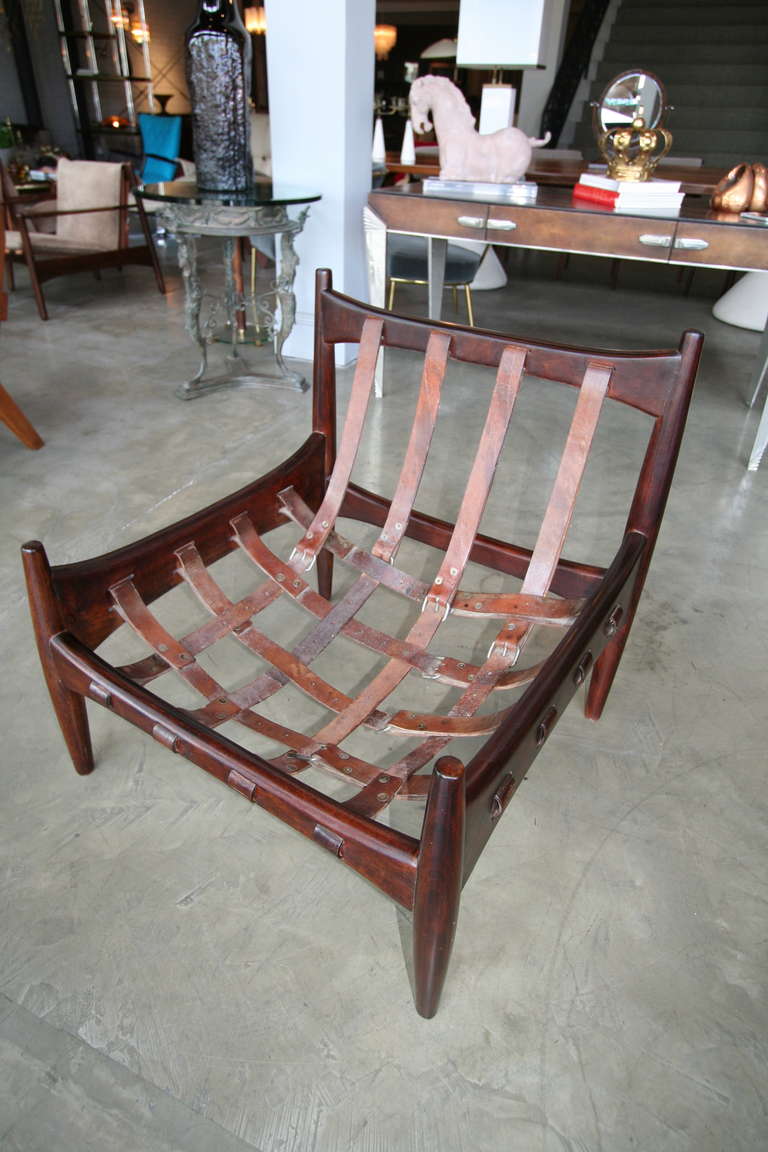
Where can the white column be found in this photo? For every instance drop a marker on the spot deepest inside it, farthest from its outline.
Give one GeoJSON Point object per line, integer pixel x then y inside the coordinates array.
{"type": "Point", "coordinates": [320, 65]}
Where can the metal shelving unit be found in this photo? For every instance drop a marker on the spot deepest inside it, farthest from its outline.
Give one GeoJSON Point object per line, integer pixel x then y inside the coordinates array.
{"type": "Point", "coordinates": [109, 73]}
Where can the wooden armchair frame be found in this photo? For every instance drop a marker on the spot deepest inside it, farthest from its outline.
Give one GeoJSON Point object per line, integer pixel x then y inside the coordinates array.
{"type": "Point", "coordinates": [75, 607]}
{"type": "Point", "coordinates": [10, 413]}
{"type": "Point", "coordinates": [45, 265]}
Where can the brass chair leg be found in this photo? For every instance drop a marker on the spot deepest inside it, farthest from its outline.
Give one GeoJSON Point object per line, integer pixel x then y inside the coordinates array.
{"type": "Point", "coordinates": [470, 313]}
{"type": "Point", "coordinates": [391, 300]}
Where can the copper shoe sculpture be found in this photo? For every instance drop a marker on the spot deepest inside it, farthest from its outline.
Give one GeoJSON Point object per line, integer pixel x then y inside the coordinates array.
{"type": "Point", "coordinates": [744, 187]}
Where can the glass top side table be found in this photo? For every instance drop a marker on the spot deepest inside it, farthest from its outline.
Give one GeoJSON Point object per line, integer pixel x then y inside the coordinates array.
{"type": "Point", "coordinates": [263, 210]}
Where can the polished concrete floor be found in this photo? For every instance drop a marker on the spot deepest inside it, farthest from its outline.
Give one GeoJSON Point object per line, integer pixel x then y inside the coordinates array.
{"type": "Point", "coordinates": [180, 971]}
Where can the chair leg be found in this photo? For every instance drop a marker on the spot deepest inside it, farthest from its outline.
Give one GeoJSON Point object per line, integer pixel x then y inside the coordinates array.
{"type": "Point", "coordinates": [159, 278]}
{"type": "Point", "coordinates": [42, 311]}
{"type": "Point", "coordinates": [391, 298]}
{"type": "Point", "coordinates": [325, 574]}
{"type": "Point", "coordinates": [11, 274]}
{"type": "Point", "coordinates": [455, 294]}
{"type": "Point", "coordinates": [13, 418]}
{"type": "Point", "coordinates": [438, 883]}
{"type": "Point", "coordinates": [47, 621]}
{"type": "Point", "coordinates": [470, 312]}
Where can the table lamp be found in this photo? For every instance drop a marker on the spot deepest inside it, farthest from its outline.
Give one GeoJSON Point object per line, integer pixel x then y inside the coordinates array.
{"type": "Point", "coordinates": [498, 34]}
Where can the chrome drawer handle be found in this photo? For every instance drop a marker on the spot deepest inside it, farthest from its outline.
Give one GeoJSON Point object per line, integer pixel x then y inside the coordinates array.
{"type": "Point", "coordinates": [653, 241]}
{"type": "Point", "coordinates": [502, 225]}
{"type": "Point", "coordinates": [471, 221]}
{"type": "Point", "coordinates": [693, 244]}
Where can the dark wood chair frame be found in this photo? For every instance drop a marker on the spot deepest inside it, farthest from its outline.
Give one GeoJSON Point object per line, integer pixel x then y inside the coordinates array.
{"type": "Point", "coordinates": [10, 413]}
{"type": "Point", "coordinates": [43, 266]}
{"type": "Point", "coordinates": [75, 607]}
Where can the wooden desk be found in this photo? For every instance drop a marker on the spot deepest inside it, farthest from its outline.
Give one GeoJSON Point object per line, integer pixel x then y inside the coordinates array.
{"type": "Point", "coordinates": [699, 237]}
{"type": "Point", "coordinates": [565, 173]}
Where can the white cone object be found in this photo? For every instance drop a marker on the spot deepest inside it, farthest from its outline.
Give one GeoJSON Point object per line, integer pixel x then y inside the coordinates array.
{"type": "Point", "coordinates": [408, 150]}
{"type": "Point", "coordinates": [745, 304]}
{"type": "Point", "coordinates": [378, 152]}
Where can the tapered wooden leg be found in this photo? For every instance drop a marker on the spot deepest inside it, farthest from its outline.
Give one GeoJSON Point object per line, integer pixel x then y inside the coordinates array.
{"type": "Point", "coordinates": [438, 883]}
{"type": "Point", "coordinates": [42, 311]}
{"type": "Point", "coordinates": [325, 574]}
{"type": "Point", "coordinates": [602, 676]}
{"type": "Point", "coordinates": [13, 417]}
{"type": "Point", "coordinates": [47, 622]}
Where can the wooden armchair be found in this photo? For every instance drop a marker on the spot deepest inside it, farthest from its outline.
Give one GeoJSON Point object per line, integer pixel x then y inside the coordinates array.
{"type": "Point", "coordinates": [587, 608]}
{"type": "Point", "coordinates": [10, 413]}
{"type": "Point", "coordinates": [86, 227]}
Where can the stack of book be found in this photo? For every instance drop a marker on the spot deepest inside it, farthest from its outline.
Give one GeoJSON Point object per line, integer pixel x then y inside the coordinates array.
{"type": "Point", "coordinates": [646, 198]}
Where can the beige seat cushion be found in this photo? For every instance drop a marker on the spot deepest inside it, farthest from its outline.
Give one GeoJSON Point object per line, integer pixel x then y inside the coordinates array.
{"type": "Point", "coordinates": [88, 184]}
{"type": "Point", "coordinates": [43, 243]}
{"type": "Point", "coordinates": [37, 216]}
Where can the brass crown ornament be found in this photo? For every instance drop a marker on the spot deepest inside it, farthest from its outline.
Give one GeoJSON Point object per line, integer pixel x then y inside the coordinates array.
{"type": "Point", "coordinates": [632, 151]}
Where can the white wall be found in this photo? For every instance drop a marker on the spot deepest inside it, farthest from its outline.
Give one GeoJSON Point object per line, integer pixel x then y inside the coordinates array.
{"type": "Point", "coordinates": [320, 65]}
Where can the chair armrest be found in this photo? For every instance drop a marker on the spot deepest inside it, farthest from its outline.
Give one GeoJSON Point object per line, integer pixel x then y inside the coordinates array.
{"type": "Point", "coordinates": [77, 211]}
{"type": "Point", "coordinates": [40, 212]}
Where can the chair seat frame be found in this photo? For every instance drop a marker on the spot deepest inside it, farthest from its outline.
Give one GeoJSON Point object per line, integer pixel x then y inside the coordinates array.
{"type": "Point", "coordinates": [75, 607]}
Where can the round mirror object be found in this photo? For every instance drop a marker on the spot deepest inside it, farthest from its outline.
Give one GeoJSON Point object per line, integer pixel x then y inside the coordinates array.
{"type": "Point", "coordinates": [628, 96]}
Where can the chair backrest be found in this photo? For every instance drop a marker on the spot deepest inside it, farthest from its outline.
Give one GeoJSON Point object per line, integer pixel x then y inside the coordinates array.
{"type": "Point", "coordinates": [658, 384]}
{"type": "Point", "coordinates": [82, 184]}
{"type": "Point", "coordinates": [160, 137]}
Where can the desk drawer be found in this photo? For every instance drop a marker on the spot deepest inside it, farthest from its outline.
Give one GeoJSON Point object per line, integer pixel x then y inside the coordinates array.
{"type": "Point", "coordinates": [432, 217]}
{"type": "Point", "coordinates": [599, 234]}
{"type": "Point", "coordinates": [721, 246]}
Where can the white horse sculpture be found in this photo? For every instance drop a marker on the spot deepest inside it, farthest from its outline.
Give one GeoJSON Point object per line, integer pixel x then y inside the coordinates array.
{"type": "Point", "coordinates": [500, 157]}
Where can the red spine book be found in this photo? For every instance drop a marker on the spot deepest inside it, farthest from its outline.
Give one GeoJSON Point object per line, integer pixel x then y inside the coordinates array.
{"type": "Point", "coordinates": [602, 196]}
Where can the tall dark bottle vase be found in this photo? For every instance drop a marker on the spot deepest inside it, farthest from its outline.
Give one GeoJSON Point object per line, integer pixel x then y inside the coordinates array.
{"type": "Point", "coordinates": [219, 80]}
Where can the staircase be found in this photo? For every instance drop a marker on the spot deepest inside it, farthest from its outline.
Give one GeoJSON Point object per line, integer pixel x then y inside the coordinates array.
{"type": "Point", "coordinates": [712, 58]}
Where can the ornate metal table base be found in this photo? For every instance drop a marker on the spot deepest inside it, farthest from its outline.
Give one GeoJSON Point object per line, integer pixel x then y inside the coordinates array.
{"type": "Point", "coordinates": [190, 221]}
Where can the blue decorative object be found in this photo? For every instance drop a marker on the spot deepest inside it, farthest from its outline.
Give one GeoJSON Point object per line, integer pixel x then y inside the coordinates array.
{"type": "Point", "coordinates": [160, 143]}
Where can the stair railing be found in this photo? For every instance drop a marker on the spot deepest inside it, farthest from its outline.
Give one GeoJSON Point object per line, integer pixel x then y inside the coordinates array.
{"type": "Point", "coordinates": [573, 65]}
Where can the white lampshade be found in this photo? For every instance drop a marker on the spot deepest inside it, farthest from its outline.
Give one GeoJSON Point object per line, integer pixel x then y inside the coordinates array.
{"type": "Point", "coordinates": [441, 50]}
{"type": "Point", "coordinates": [501, 33]}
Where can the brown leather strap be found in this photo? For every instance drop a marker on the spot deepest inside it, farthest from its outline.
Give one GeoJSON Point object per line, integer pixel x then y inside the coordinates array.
{"type": "Point", "coordinates": [379, 570]}
{"type": "Point", "coordinates": [505, 392]}
{"type": "Point", "coordinates": [135, 612]}
{"type": "Point", "coordinates": [306, 551]}
{"type": "Point", "coordinates": [506, 648]}
{"type": "Point", "coordinates": [537, 609]}
{"type": "Point", "coordinates": [422, 430]}
{"type": "Point", "coordinates": [559, 513]}
{"type": "Point", "coordinates": [557, 518]}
